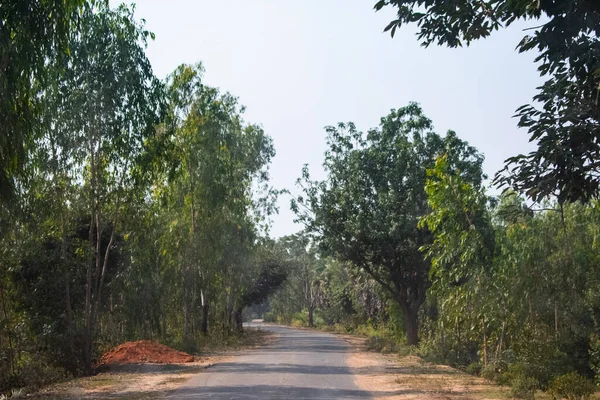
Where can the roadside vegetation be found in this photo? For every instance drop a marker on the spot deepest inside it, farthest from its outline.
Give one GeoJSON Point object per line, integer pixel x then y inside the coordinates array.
{"type": "Point", "coordinates": [138, 208]}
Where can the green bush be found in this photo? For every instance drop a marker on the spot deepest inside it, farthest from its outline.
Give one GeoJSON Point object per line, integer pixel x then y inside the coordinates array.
{"type": "Point", "coordinates": [540, 372]}
{"type": "Point", "coordinates": [595, 356]}
{"type": "Point", "coordinates": [269, 317]}
{"type": "Point", "coordinates": [571, 386]}
{"type": "Point", "coordinates": [495, 371]}
{"type": "Point", "coordinates": [524, 387]}
{"type": "Point", "coordinates": [474, 368]}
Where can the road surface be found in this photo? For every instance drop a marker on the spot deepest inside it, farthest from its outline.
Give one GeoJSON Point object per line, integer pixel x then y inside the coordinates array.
{"type": "Point", "coordinates": [299, 364]}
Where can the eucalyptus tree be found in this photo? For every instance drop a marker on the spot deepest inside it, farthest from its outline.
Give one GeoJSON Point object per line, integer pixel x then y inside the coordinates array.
{"type": "Point", "coordinates": [211, 194]}
{"type": "Point", "coordinates": [367, 209]}
{"type": "Point", "coordinates": [107, 102]}
{"type": "Point", "coordinates": [564, 118]}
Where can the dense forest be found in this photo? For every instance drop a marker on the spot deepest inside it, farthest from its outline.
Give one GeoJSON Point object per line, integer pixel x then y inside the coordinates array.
{"type": "Point", "coordinates": [138, 208]}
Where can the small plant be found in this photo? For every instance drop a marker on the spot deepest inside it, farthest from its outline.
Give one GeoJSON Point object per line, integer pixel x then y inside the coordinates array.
{"type": "Point", "coordinates": [474, 368]}
{"type": "Point", "coordinates": [571, 386]}
{"type": "Point", "coordinates": [494, 371]}
{"type": "Point", "coordinates": [524, 387]}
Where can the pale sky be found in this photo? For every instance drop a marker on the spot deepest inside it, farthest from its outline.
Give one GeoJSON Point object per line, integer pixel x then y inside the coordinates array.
{"type": "Point", "coordinates": [301, 65]}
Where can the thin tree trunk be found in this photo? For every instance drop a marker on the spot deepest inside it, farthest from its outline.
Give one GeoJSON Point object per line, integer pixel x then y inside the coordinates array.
{"type": "Point", "coordinates": [11, 355]}
{"type": "Point", "coordinates": [555, 319]}
{"type": "Point", "coordinates": [69, 309]}
{"type": "Point", "coordinates": [87, 334]}
{"type": "Point", "coordinates": [205, 310]}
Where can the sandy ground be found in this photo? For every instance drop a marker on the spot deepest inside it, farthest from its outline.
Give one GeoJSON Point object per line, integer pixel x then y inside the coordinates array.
{"type": "Point", "coordinates": [402, 378]}
{"type": "Point", "coordinates": [138, 381]}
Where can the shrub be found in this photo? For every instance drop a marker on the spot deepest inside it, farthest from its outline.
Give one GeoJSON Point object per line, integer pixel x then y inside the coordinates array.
{"type": "Point", "coordinates": [571, 386]}
{"type": "Point", "coordinates": [474, 368]}
{"type": "Point", "coordinates": [595, 356]}
{"type": "Point", "coordinates": [382, 345]}
{"type": "Point", "coordinates": [269, 317]}
{"type": "Point", "coordinates": [524, 387]}
{"type": "Point", "coordinates": [495, 371]}
{"type": "Point", "coordinates": [541, 373]}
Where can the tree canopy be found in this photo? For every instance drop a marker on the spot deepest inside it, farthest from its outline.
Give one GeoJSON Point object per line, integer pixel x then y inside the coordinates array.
{"type": "Point", "coordinates": [367, 210]}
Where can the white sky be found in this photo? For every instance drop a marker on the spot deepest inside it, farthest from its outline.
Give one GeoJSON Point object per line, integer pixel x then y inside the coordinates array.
{"type": "Point", "coordinates": [301, 65]}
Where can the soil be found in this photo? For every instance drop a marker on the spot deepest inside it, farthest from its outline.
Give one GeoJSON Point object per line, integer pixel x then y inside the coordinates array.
{"type": "Point", "coordinates": [144, 351]}
{"type": "Point", "coordinates": [393, 377]}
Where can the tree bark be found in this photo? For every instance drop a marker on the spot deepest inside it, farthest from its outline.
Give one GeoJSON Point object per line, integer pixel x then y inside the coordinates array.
{"type": "Point", "coordinates": [411, 325]}
{"type": "Point", "coordinates": [239, 323]}
{"type": "Point", "coordinates": [204, 327]}
{"type": "Point", "coordinates": [310, 316]}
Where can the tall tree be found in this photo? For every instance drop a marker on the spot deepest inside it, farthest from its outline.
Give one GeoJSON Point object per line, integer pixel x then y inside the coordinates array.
{"type": "Point", "coordinates": [564, 120]}
{"type": "Point", "coordinates": [368, 208]}
{"type": "Point", "coordinates": [107, 102]}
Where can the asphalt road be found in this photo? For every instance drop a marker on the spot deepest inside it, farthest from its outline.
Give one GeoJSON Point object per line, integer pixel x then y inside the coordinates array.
{"type": "Point", "coordinates": [299, 364]}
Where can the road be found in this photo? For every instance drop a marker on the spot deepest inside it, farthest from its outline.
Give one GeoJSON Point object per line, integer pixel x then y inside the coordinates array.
{"type": "Point", "coordinates": [299, 364]}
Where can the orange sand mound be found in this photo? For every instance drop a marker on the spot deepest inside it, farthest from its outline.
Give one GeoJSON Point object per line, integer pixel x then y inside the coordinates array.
{"type": "Point", "coordinates": [144, 351]}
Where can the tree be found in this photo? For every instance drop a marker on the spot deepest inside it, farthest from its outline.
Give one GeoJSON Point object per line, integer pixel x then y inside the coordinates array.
{"type": "Point", "coordinates": [564, 120]}
{"type": "Point", "coordinates": [210, 191]}
{"type": "Point", "coordinates": [367, 210]}
{"type": "Point", "coordinates": [305, 269]}
{"type": "Point", "coordinates": [105, 103]}
{"type": "Point", "coordinates": [30, 34]}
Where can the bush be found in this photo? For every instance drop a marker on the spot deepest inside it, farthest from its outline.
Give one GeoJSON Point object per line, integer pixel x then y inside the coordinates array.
{"type": "Point", "coordinates": [524, 387]}
{"type": "Point", "coordinates": [269, 317]}
{"type": "Point", "coordinates": [495, 371]}
{"type": "Point", "coordinates": [541, 373]}
{"type": "Point", "coordinates": [571, 386]}
{"type": "Point", "coordinates": [474, 368]}
{"type": "Point", "coordinates": [382, 345]}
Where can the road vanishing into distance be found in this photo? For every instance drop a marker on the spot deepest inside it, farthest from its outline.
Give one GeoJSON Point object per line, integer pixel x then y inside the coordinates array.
{"type": "Point", "coordinates": [298, 364]}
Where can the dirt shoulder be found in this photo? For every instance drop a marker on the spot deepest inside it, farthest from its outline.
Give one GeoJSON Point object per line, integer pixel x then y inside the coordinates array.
{"type": "Point", "coordinates": [146, 381]}
{"type": "Point", "coordinates": [393, 377]}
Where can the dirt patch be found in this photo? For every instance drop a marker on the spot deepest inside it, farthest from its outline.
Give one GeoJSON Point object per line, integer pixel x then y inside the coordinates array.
{"type": "Point", "coordinates": [139, 380]}
{"type": "Point", "coordinates": [144, 351]}
{"type": "Point", "coordinates": [394, 377]}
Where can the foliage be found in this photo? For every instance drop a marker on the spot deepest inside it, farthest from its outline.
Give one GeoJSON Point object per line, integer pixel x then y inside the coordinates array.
{"type": "Point", "coordinates": [143, 198]}
{"type": "Point", "coordinates": [366, 211]}
{"type": "Point", "coordinates": [524, 387]}
{"type": "Point", "coordinates": [572, 386]}
{"type": "Point", "coordinates": [30, 34]}
{"type": "Point", "coordinates": [474, 368]}
{"type": "Point", "coordinates": [564, 119]}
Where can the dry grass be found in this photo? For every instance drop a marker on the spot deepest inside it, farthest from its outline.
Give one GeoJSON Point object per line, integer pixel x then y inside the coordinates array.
{"type": "Point", "coordinates": [394, 377]}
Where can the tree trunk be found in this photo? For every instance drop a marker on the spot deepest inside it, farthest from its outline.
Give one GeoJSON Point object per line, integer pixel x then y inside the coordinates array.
{"type": "Point", "coordinates": [186, 304]}
{"type": "Point", "coordinates": [411, 325]}
{"type": "Point", "coordinates": [204, 327]}
{"type": "Point", "coordinates": [310, 316]}
{"type": "Point", "coordinates": [239, 323]}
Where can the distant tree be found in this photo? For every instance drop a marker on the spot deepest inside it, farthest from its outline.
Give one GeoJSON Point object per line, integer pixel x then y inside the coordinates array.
{"type": "Point", "coordinates": [564, 121]}
{"type": "Point", "coordinates": [368, 208]}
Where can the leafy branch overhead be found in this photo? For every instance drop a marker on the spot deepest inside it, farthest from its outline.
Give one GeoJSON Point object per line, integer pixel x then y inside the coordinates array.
{"type": "Point", "coordinates": [564, 117]}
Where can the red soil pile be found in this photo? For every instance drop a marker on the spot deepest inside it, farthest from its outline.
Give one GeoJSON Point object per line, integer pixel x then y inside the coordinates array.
{"type": "Point", "coordinates": [144, 351]}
